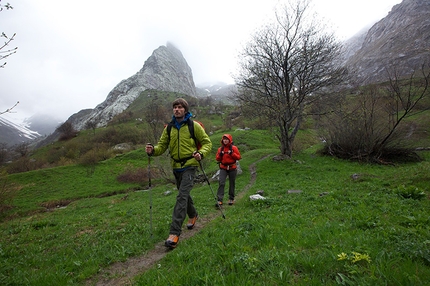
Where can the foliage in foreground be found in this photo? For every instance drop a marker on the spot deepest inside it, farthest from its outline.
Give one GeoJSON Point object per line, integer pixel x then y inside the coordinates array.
{"type": "Point", "coordinates": [343, 223]}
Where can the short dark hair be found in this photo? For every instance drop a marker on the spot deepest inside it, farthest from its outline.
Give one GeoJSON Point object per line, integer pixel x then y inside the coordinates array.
{"type": "Point", "coordinates": [182, 102]}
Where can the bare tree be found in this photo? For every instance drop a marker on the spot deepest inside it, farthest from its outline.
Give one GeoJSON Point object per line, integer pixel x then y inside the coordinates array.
{"type": "Point", "coordinates": [285, 66]}
{"type": "Point", "coordinates": [156, 115]}
{"type": "Point", "coordinates": [91, 124]}
{"type": "Point", "coordinates": [371, 125]}
{"type": "Point", "coordinates": [22, 149]}
{"type": "Point", "coordinates": [4, 152]}
{"type": "Point", "coordinates": [6, 53]}
{"type": "Point", "coordinates": [67, 131]}
{"type": "Point", "coordinates": [404, 97]}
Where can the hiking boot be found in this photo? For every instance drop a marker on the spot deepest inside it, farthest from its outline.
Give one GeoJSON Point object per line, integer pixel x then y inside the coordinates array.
{"type": "Point", "coordinates": [218, 204]}
{"type": "Point", "coordinates": [230, 202]}
{"type": "Point", "coordinates": [192, 222]}
{"type": "Point", "coordinates": [171, 241]}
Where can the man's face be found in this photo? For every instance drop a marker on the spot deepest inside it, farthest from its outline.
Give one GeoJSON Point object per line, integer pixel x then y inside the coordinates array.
{"type": "Point", "coordinates": [179, 111]}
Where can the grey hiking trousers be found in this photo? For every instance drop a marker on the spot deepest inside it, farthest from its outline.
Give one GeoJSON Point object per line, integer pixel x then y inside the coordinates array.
{"type": "Point", "coordinates": [184, 202]}
{"type": "Point", "coordinates": [232, 183]}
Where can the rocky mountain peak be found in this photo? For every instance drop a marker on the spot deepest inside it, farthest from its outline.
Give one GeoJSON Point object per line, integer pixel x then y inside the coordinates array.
{"type": "Point", "coordinates": [166, 69]}
{"type": "Point", "coordinates": [400, 42]}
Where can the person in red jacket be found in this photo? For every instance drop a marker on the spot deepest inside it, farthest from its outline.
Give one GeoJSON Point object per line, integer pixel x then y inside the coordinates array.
{"type": "Point", "coordinates": [226, 156]}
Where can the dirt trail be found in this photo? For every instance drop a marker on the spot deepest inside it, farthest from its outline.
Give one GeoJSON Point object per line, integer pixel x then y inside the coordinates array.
{"type": "Point", "coordinates": [122, 273]}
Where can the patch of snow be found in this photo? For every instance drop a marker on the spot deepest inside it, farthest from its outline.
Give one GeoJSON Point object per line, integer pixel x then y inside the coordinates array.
{"type": "Point", "coordinates": [21, 128]}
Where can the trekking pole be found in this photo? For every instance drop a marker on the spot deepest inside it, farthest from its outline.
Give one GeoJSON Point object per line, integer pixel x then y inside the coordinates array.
{"type": "Point", "coordinates": [207, 180]}
{"type": "Point", "coordinates": [150, 196]}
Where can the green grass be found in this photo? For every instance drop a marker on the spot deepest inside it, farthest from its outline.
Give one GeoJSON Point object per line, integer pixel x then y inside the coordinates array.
{"type": "Point", "coordinates": [371, 216]}
{"type": "Point", "coordinates": [295, 238]}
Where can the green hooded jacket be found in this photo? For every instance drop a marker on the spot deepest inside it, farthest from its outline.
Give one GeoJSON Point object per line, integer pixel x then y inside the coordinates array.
{"type": "Point", "coordinates": [182, 146]}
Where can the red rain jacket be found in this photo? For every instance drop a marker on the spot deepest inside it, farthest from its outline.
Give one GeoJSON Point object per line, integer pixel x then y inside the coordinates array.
{"type": "Point", "coordinates": [227, 155]}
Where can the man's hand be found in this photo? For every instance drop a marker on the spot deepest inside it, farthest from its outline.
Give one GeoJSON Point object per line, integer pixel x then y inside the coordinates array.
{"type": "Point", "coordinates": [197, 155]}
{"type": "Point", "coordinates": [149, 148]}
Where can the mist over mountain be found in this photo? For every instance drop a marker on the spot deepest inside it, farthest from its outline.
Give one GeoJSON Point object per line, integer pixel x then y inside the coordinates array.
{"type": "Point", "coordinates": [353, 44]}
{"type": "Point", "coordinates": [42, 123]}
{"type": "Point", "coordinates": [218, 91]}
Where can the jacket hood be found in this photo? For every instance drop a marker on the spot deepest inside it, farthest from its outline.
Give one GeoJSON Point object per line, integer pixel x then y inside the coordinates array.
{"type": "Point", "coordinates": [187, 116]}
{"type": "Point", "coordinates": [229, 138]}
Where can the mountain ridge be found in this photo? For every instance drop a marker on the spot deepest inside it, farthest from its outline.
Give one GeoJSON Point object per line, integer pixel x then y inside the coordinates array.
{"type": "Point", "coordinates": [166, 70]}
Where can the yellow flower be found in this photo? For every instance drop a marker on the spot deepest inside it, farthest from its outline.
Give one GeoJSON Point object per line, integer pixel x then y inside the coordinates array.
{"type": "Point", "coordinates": [342, 256]}
{"type": "Point", "coordinates": [358, 257]}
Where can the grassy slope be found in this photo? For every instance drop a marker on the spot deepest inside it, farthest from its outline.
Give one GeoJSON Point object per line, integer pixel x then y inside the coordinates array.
{"type": "Point", "coordinates": [288, 238]}
{"type": "Point", "coordinates": [297, 238]}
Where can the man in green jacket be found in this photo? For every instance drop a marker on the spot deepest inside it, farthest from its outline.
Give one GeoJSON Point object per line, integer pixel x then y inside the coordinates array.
{"type": "Point", "coordinates": [184, 159]}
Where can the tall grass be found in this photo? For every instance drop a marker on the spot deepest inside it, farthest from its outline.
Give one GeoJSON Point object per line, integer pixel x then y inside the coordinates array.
{"type": "Point", "coordinates": [345, 223]}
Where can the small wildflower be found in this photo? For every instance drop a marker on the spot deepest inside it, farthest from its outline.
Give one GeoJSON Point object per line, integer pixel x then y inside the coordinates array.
{"type": "Point", "coordinates": [342, 256]}
{"type": "Point", "coordinates": [354, 257]}
{"type": "Point", "coordinates": [358, 257]}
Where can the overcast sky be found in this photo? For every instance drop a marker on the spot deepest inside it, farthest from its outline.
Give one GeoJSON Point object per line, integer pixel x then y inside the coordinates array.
{"type": "Point", "coordinates": [71, 54]}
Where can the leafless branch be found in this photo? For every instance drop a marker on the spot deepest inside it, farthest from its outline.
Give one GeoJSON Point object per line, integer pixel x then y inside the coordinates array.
{"type": "Point", "coordinates": [9, 110]}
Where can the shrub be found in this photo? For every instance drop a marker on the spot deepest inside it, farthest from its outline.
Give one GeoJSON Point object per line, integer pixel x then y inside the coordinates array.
{"type": "Point", "coordinates": [67, 131]}
{"type": "Point", "coordinates": [133, 175]}
{"type": "Point", "coordinates": [129, 134]}
{"type": "Point", "coordinates": [99, 153]}
{"type": "Point", "coordinates": [410, 192]}
{"type": "Point", "coordinates": [25, 164]}
{"type": "Point", "coordinates": [372, 124]}
{"type": "Point", "coordinates": [115, 135]}
{"type": "Point", "coordinates": [364, 129]}
{"type": "Point", "coordinates": [4, 153]}
{"type": "Point", "coordinates": [53, 155]}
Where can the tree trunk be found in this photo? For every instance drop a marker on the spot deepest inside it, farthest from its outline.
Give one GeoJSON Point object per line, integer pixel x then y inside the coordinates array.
{"type": "Point", "coordinates": [284, 140]}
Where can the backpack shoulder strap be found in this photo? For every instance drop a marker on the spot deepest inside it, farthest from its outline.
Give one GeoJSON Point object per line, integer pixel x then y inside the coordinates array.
{"type": "Point", "coordinates": [190, 128]}
{"type": "Point", "coordinates": [169, 128]}
{"type": "Point", "coordinates": [222, 147]}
